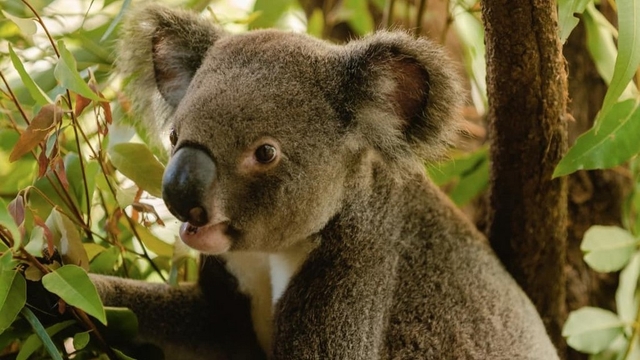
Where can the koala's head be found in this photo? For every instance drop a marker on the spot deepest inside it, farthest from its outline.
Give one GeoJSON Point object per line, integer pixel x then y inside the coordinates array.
{"type": "Point", "coordinates": [268, 129]}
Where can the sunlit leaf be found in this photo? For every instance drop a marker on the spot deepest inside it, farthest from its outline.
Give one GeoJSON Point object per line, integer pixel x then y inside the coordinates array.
{"type": "Point", "coordinates": [608, 248]}
{"type": "Point", "coordinates": [66, 72]}
{"type": "Point", "coordinates": [39, 128]}
{"type": "Point", "coordinates": [137, 163]}
{"type": "Point", "coordinates": [566, 16]}
{"type": "Point", "coordinates": [615, 142]}
{"type": "Point", "coordinates": [357, 14]}
{"type": "Point", "coordinates": [628, 58]}
{"type": "Point", "coordinates": [592, 330]}
{"type": "Point", "coordinates": [116, 20]}
{"type": "Point", "coordinates": [35, 91]}
{"type": "Point", "coordinates": [13, 296]}
{"type": "Point", "coordinates": [27, 26]}
{"type": "Point", "coordinates": [73, 285]}
{"type": "Point", "coordinates": [315, 23]}
{"type": "Point", "coordinates": [627, 299]}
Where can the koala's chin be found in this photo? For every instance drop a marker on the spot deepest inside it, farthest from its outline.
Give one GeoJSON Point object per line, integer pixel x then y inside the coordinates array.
{"type": "Point", "coordinates": [210, 239]}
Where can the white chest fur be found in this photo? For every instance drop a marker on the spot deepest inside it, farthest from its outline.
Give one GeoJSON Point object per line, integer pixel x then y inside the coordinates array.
{"type": "Point", "coordinates": [264, 278]}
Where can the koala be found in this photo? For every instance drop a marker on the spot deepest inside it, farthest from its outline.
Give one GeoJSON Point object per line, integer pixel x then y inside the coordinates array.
{"type": "Point", "coordinates": [297, 168]}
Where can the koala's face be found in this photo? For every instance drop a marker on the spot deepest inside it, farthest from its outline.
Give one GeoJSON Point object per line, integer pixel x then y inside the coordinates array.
{"type": "Point", "coordinates": [257, 148]}
{"type": "Point", "coordinates": [269, 128]}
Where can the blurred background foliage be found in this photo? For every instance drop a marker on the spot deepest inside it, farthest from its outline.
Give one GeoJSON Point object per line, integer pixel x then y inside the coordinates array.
{"type": "Point", "coordinates": [79, 180]}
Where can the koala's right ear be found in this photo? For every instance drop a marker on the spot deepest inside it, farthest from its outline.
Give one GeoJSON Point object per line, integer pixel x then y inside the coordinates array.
{"type": "Point", "coordinates": [159, 52]}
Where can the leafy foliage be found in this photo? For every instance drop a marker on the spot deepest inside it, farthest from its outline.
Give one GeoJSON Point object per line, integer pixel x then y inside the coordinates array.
{"type": "Point", "coordinates": [78, 179]}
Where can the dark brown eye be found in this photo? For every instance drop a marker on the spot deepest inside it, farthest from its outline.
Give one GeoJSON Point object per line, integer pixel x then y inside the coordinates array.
{"type": "Point", "coordinates": [173, 137]}
{"type": "Point", "coordinates": [266, 153]}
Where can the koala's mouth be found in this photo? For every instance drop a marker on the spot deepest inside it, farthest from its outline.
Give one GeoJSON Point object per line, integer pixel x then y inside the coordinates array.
{"type": "Point", "coordinates": [210, 239]}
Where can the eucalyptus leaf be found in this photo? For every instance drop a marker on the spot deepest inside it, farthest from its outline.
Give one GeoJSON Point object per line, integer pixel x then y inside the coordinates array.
{"type": "Point", "coordinates": [566, 16]}
{"type": "Point", "coordinates": [136, 162]}
{"type": "Point", "coordinates": [33, 342]}
{"type": "Point", "coordinates": [13, 296]}
{"type": "Point", "coordinates": [35, 91]}
{"type": "Point", "coordinates": [592, 330]}
{"type": "Point", "coordinates": [608, 248]}
{"type": "Point", "coordinates": [66, 72]}
{"type": "Point", "coordinates": [7, 222]}
{"type": "Point", "coordinates": [26, 26]}
{"type": "Point", "coordinates": [41, 333]}
{"type": "Point", "coordinates": [271, 11]}
{"type": "Point", "coordinates": [152, 242]}
{"type": "Point", "coordinates": [628, 58]}
{"type": "Point", "coordinates": [73, 285]}
{"type": "Point", "coordinates": [612, 144]}
{"type": "Point", "coordinates": [627, 299]}
{"type": "Point", "coordinates": [80, 340]}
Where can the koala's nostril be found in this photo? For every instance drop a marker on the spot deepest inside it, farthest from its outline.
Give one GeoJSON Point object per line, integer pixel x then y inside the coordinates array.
{"type": "Point", "coordinates": [186, 184]}
{"type": "Point", "coordinates": [198, 216]}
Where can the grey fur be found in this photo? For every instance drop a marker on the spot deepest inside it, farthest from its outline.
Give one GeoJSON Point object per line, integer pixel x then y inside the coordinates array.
{"type": "Point", "coordinates": [396, 272]}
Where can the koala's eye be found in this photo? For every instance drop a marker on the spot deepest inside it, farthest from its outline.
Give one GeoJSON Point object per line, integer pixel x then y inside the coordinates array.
{"type": "Point", "coordinates": [266, 153]}
{"type": "Point", "coordinates": [173, 137]}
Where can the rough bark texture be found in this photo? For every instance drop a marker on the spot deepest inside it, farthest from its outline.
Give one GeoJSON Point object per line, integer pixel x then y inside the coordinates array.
{"type": "Point", "coordinates": [526, 85]}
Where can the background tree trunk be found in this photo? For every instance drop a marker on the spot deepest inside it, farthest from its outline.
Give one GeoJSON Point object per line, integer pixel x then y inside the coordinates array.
{"type": "Point", "coordinates": [526, 86]}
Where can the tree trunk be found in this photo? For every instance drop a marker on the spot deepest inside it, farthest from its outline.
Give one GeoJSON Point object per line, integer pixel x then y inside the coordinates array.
{"type": "Point", "coordinates": [526, 86]}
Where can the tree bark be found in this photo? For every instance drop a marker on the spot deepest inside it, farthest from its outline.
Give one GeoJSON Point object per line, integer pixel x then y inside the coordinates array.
{"type": "Point", "coordinates": [527, 90]}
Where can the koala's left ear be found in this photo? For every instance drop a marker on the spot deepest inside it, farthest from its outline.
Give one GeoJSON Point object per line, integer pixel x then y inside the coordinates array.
{"type": "Point", "coordinates": [405, 87]}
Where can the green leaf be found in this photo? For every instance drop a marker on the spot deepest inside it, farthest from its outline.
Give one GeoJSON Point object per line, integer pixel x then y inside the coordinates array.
{"type": "Point", "coordinates": [13, 296]}
{"type": "Point", "coordinates": [270, 12]}
{"type": "Point", "coordinates": [80, 340]}
{"type": "Point", "coordinates": [27, 26]}
{"type": "Point", "coordinates": [66, 72]}
{"type": "Point", "coordinates": [123, 324]}
{"type": "Point", "coordinates": [566, 19]}
{"type": "Point", "coordinates": [154, 244]}
{"type": "Point", "coordinates": [35, 91]}
{"type": "Point", "coordinates": [615, 142]}
{"type": "Point", "coordinates": [627, 299]}
{"type": "Point", "coordinates": [602, 48]}
{"type": "Point", "coordinates": [608, 248]}
{"type": "Point", "coordinates": [66, 237]}
{"type": "Point", "coordinates": [136, 162]}
{"type": "Point", "coordinates": [73, 285]}
{"type": "Point", "coordinates": [628, 55]}
{"type": "Point", "coordinates": [592, 330]}
{"type": "Point", "coordinates": [33, 342]}
{"type": "Point", "coordinates": [41, 333]}
{"type": "Point", "coordinates": [7, 221]}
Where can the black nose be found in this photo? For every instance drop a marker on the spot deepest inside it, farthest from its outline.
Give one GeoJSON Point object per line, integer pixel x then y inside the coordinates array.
{"type": "Point", "coordinates": [185, 185]}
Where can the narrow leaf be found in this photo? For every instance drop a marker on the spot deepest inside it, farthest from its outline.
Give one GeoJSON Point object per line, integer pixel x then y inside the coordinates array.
{"type": "Point", "coordinates": [67, 240]}
{"type": "Point", "coordinates": [73, 285]}
{"type": "Point", "coordinates": [602, 48]}
{"type": "Point", "coordinates": [35, 91]}
{"type": "Point", "coordinates": [116, 20]}
{"type": "Point", "coordinates": [592, 330]}
{"type": "Point", "coordinates": [627, 300]}
{"type": "Point", "coordinates": [13, 296]}
{"type": "Point", "coordinates": [137, 163]}
{"type": "Point", "coordinates": [66, 72]}
{"type": "Point", "coordinates": [8, 222]}
{"type": "Point", "coordinates": [608, 248]}
{"type": "Point", "coordinates": [39, 128]}
{"type": "Point", "coordinates": [615, 142]}
{"type": "Point", "coordinates": [27, 26]}
{"type": "Point", "coordinates": [41, 333]}
{"type": "Point", "coordinates": [628, 58]}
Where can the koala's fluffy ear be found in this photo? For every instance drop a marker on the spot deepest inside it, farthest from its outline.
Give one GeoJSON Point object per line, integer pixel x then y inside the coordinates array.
{"type": "Point", "coordinates": [158, 54]}
{"type": "Point", "coordinates": [404, 94]}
